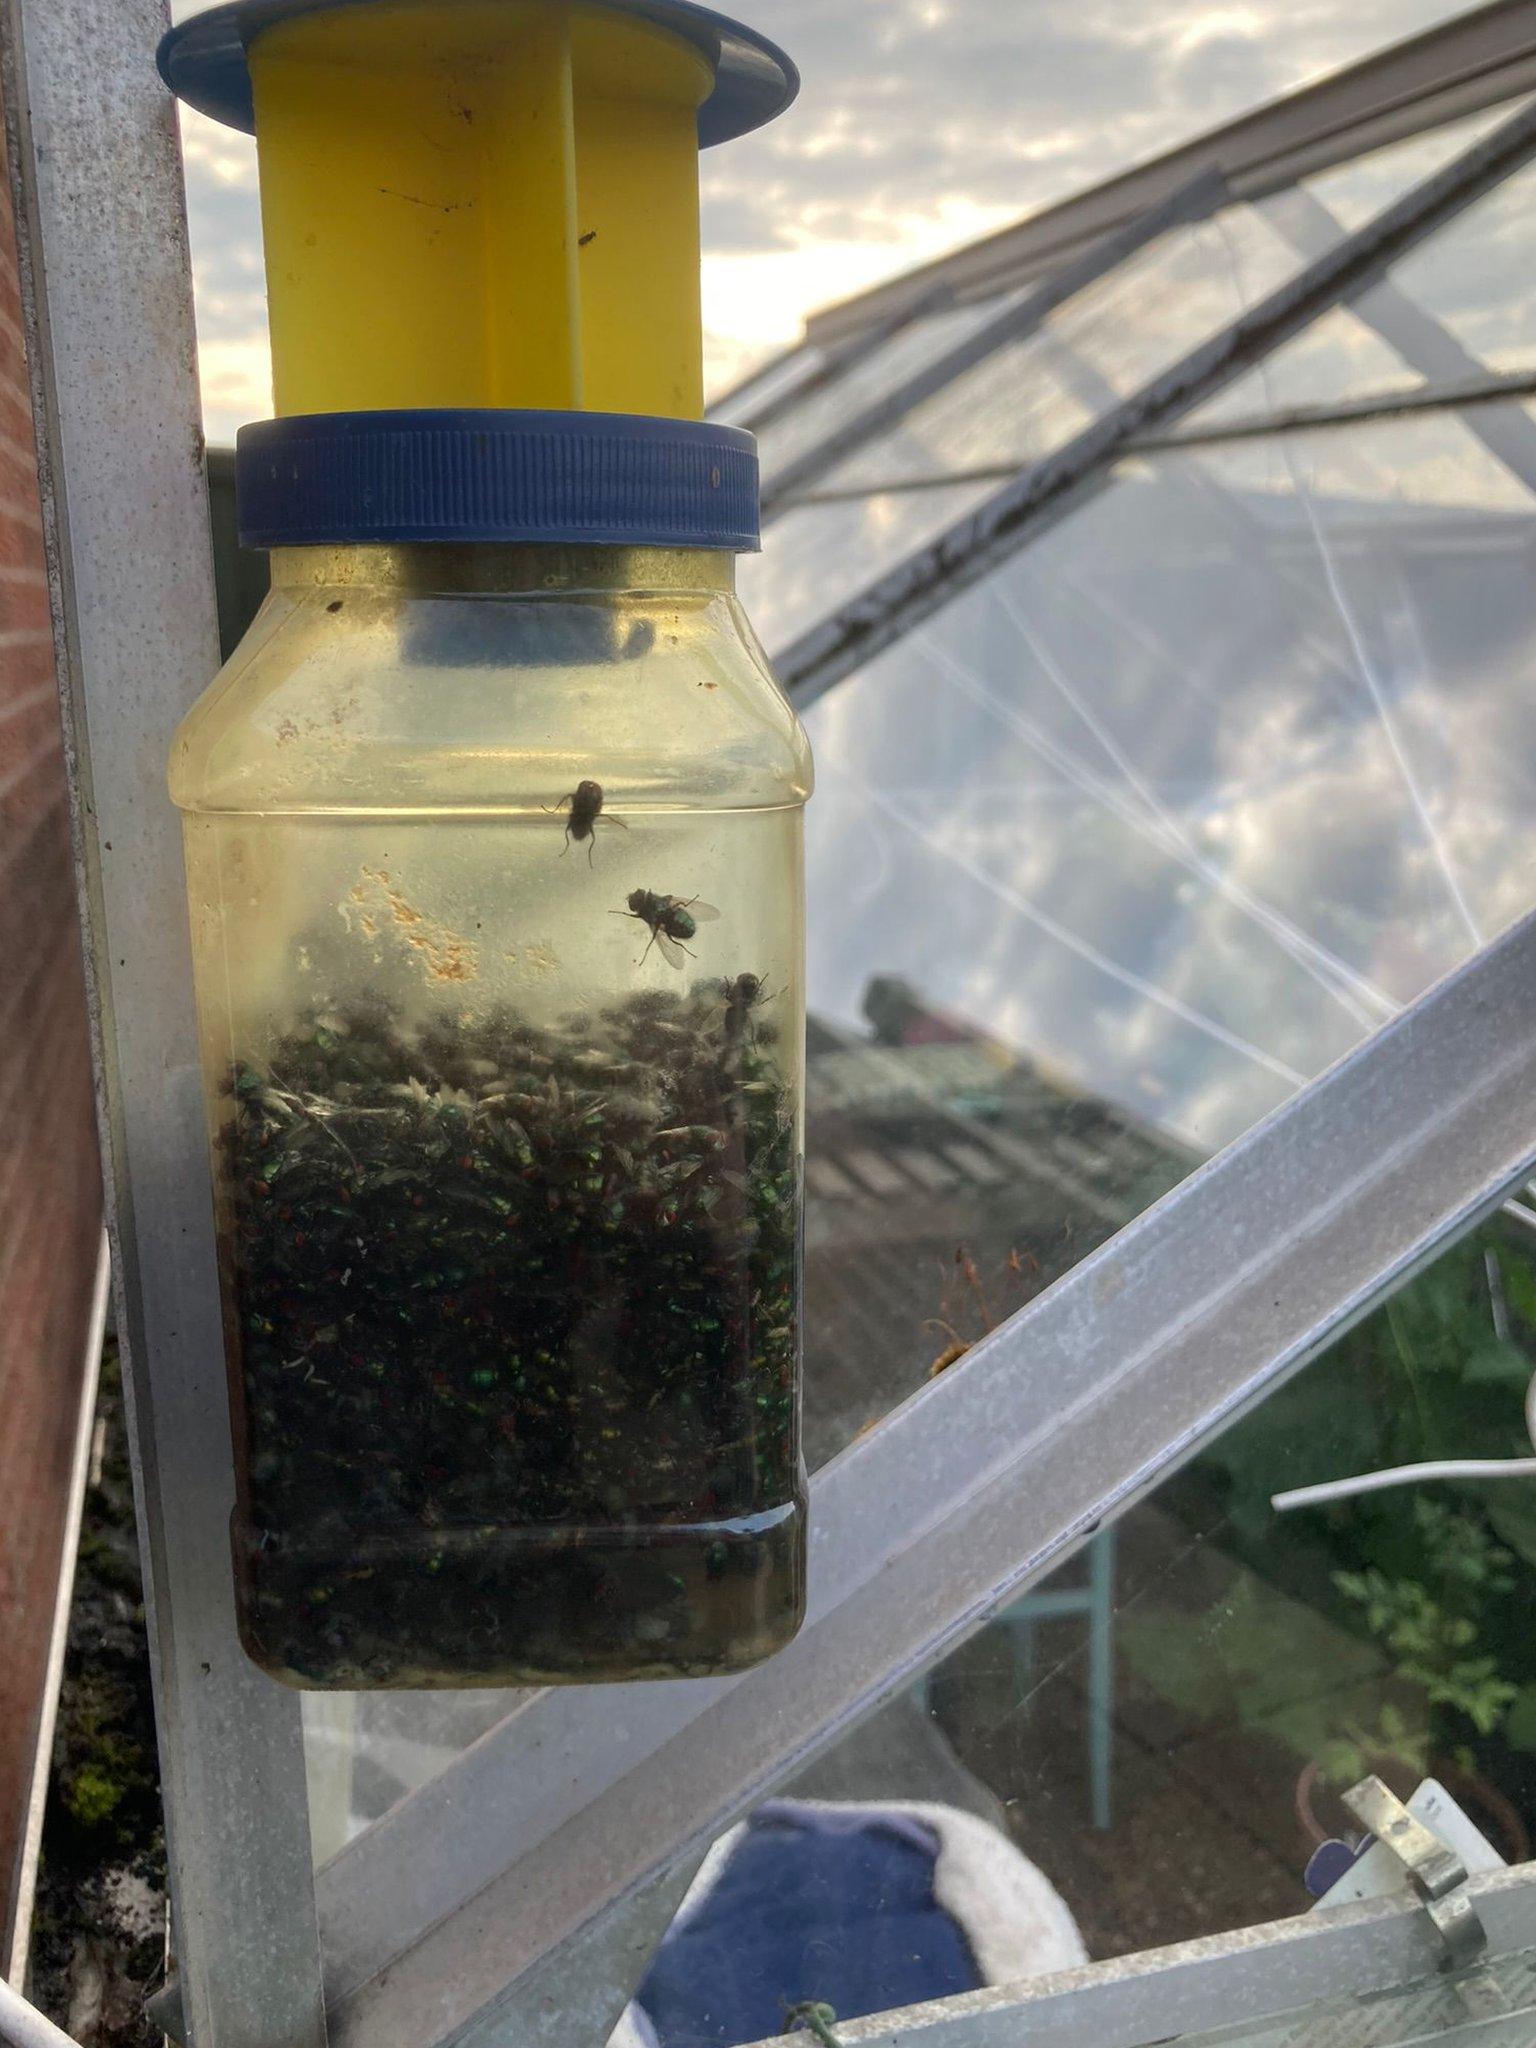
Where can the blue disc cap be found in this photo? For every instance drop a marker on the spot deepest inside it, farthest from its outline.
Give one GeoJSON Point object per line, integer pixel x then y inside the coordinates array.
{"type": "Point", "coordinates": [203, 59]}
{"type": "Point", "coordinates": [609, 479]}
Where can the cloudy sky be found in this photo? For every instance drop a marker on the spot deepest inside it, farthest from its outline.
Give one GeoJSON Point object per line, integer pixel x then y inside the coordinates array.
{"type": "Point", "coordinates": [922, 124]}
{"type": "Point", "coordinates": [1178, 815]}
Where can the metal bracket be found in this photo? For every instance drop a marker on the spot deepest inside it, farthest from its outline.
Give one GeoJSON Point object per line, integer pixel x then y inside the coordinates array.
{"type": "Point", "coordinates": [1433, 1868]}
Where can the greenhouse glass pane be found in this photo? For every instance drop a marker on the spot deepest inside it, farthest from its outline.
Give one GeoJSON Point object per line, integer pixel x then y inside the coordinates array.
{"type": "Point", "coordinates": [1475, 276]}
{"type": "Point", "coordinates": [1130, 840]}
{"type": "Point", "coordinates": [1148, 310]}
{"type": "Point", "coordinates": [1116, 851]}
{"type": "Point", "coordinates": [816, 556]}
{"type": "Point", "coordinates": [1338, 358]}
{"type": "Point", "coordinates": [1149, 1746]}
{"type": "Point", "coordinates": [1021, 404]}
{"type": "Point", "coordinates": [1356, 191]}
{"type": "Point", "coordinates": [900, 356]}
{"type": "Point", "coordinates": [1031, 395]}
{"type": "Point", "coordinates": [786, 373]}
{"type": "Point", "coordinates": [1456, 306]}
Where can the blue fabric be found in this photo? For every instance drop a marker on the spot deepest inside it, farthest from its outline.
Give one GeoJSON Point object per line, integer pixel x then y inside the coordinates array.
{"type": "Point", "coordinates": [832, 1905]}
{"type": "Point", "coordinates": [484, 474]}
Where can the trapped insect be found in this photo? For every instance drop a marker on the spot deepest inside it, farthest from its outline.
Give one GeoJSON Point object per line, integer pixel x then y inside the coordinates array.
{"type": "Point", "coordinates": [742, 996]}
{"type": "Point", "coordinates": [670, 921]}
{"type": "Point", "coordinates": [965, 1294]}
{"type": "Point", "coordinates": [429, 1210]}
{"type": "Point", "coordinates": [585, 811]}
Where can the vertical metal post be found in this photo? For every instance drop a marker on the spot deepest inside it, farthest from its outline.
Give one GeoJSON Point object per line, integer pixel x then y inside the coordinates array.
{"type": "Point", "coordinates": [106, 286]}
{"type": "Point", "coordinates": [1101, 1671]}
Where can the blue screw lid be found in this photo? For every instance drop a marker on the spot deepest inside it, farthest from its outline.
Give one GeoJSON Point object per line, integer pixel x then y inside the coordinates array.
{"type": "Point", "coordinates": [611, 479]}
{"type": "Point", "coordinates": [203, 59]}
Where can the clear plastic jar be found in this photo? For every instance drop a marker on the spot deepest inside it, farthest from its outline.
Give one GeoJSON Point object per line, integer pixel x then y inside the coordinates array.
{"type": "Point", "coordinates": [494, 859]}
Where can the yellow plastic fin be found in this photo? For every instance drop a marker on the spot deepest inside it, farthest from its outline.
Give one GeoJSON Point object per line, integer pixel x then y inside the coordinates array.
{"type": "Point", "coordinates": [494, 204]}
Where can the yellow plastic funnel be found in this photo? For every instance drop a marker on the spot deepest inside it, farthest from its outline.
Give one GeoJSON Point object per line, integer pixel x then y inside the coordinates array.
{"type": "Point", "coordinates": [471, 203]}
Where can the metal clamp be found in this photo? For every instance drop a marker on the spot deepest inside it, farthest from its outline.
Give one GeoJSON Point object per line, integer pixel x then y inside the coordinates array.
{"type": "Point", "coordinates": [1434, 1869]}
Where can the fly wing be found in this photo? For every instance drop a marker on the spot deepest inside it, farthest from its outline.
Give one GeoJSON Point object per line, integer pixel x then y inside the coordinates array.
{"type": "Point", "coordinates": [701, 913]}
{"type": "Point", "coordinates": [671, 949]}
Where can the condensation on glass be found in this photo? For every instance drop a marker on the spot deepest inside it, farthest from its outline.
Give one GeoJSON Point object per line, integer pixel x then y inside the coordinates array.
{"type": "Point", "coordinates": [494, 858]}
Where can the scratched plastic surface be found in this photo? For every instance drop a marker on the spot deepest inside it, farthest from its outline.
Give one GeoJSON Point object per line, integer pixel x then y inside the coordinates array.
{"type": "Point", "coordinates": [494, 864]}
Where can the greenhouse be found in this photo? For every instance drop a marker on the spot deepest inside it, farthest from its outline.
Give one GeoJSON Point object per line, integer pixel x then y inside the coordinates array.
{"type": "Point", "coordinates": [1156, 582]}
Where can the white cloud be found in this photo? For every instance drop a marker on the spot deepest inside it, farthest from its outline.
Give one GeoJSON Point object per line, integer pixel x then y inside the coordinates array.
{"type": "Point", "coordinates": [922, 123]}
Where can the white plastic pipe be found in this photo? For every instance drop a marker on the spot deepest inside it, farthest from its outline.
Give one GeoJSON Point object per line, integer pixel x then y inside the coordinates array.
{"type": "Point", "coordinates": [1417, 1475]}
{"type": "Point", "coordinates": [23, 2026]}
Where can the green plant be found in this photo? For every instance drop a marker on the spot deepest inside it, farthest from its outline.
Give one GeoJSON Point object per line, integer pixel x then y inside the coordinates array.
{"type": "Point", "coordinates": [1360, 1747]}
{"type": "Point", "coordinates": [93, 1795]}
{"type": "Point", "coordinates": [1441, 1581]}
{"type": "Point", "coordinates": [1432, 1645]}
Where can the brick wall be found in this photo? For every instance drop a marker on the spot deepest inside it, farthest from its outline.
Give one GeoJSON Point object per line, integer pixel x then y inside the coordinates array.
{"type": "Point", "coordinates": [50, 1199]}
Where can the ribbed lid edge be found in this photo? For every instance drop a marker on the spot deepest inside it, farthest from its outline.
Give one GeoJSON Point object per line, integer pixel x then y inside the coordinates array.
{"type": "Point", "coordinates": [618, 479]}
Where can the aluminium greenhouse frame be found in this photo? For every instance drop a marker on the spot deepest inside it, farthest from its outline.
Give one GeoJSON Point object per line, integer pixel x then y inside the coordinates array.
{"type": "Point", "coordinates": [512, 1898]}
{"type": "Point", "coordinates": [1193, 201]}
{"type": "Point", "coordinates": [1461, 66]}
{"type": "Point", "coordinates": [1360, 1977]}
{"type": "Point", "coordinates": [1042, 493]}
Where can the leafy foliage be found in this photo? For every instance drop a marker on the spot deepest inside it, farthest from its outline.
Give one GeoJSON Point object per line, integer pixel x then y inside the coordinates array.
{"type": "Point", "coordinates": [1441, 1580]}
{"type": "Point", "coordinates": [1432, 1645]}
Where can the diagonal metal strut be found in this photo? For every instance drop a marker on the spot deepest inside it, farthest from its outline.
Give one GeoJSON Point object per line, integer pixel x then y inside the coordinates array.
{"type": "Point", "coordinates": [437, 1918]}
{"type": "Point", "coordinates": [1194, 200]}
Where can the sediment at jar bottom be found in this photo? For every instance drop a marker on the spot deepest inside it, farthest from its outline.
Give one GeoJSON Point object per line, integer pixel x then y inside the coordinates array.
{"type": "Point", "coordinates": [525, 1606]}
{"type": "Point", "coordinates": [515, 1315]}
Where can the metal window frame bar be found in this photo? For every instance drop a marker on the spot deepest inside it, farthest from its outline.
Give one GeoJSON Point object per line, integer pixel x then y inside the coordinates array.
{"type": "Point", "coordinates": [959, 1501]}
{"type": "Point", "coordinates": [733, 393]}
{"type": "Point", "coordinates": [107, 300]}
{"type": "Point", "coordinates": [23, 2026]}
{"type": "Point", "coordinates": [1269, 1975]}
{"type": "Point", "coordinates": [1043, 493]}
{"type": "Point", "coordinates": [1495, 388]}
{"type": "Point", "coordinates": [1195, 200]}
{"type": "Point", "coordinates": [1410, 329]}
{"type": "Point", "coordinates": [1457, 68]}
{"type": "Point", "coordinates": [847, 355]}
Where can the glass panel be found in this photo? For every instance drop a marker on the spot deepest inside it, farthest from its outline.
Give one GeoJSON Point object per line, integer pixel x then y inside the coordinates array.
{"type": "Point", "coordinates": [1151, 1745]}
{"type": "Point", "coordinates": [1112, 854]}
{"type": "Point", "coordinates": [786, 373]}
{"type": "Point", "coordinates": [1022, 403]}
{"type": "Point", "coordinates": [817, 556]}
{"type": "Point", "coordinates": [900, 356]}
{"type": "Point", "coordinates": [1356, 191]}
{"type": "Point", "coordinates": [1474, 275]}
{"type": "Point", "coordinates": [1029, 396]}
{"type": "Point", "coordinates": [1454, 307]}
{"type": "Point", "coordinates": [1133, 838]}
{"type": "Point", "coordinates": [1339, 357]}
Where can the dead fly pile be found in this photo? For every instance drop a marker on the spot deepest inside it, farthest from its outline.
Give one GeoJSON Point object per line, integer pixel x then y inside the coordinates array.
{"type": "Point", "coordinates": [491, 1276]}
